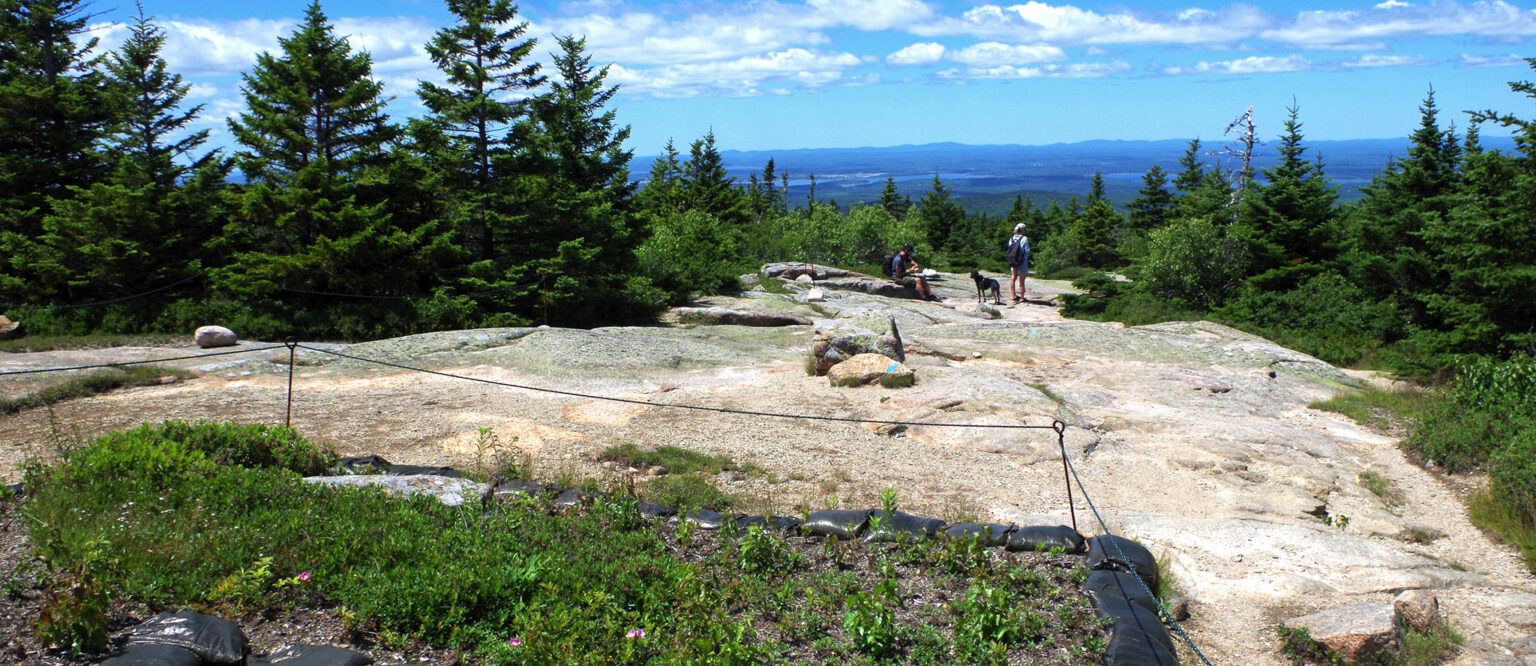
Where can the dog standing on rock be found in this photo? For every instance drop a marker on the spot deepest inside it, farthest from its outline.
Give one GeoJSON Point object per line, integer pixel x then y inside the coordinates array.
{"type": "Point", "coordinates": [985, 284]}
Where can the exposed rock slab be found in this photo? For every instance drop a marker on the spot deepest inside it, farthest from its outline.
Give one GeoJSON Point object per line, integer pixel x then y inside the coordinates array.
{"type": "Point", "coordinates": [871, 369]}
{"type": "Point", "coordinates": [1353, 632]}
{"type": "Point", "coordinates": [450, 491]}
{"type": "Point", "coordinates": [726, 316]}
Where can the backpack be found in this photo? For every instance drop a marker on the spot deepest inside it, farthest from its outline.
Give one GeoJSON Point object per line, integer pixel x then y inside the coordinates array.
{"type": "Point", "coordinates": [887, 267]}
{"type": "Point", "coordinates": [1017, 246]}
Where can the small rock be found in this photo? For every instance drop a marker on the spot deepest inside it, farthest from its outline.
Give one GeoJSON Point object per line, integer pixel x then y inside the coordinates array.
{"type": "Point", "coordinates": [1178, 607]}
{"type": "Point", "coordinates": [168, 379]}
{"type": "Point", "coordinates": [608, 464]}
{"type": "Point", "coordinates": [1419, 610]}
{"type": "Point", "coordinates": [815, 295]}
{"type": "Point", "coordinates": [1220, 389]}
{"type": "Point", "coordinates": [656, 471]}
{"type": "Point", "coordinates": [1354, 632]}
{"type": "Point", "coordinates": [632, 470]}
{"type": "Point", "coordinates": [870, 368]}
{"type": "Point", "coordinates": [10, 330]}
{"type": "Point", "coordinates": [214, 336]}
{"type": "Point", "coordinates": [975, 354]}
{"type": "Point", "coordinates": [805, 279]}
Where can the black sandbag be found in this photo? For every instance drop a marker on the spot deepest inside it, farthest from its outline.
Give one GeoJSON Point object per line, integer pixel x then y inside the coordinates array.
{"type": "Point", "coordinates": [213, 639]}
{"type": "Point", "coordinates": [370, 464]}
{"type": "Point", "coordinates": [704, 518]}
{"type": "Point", "coordinates": [1120, 554]}
{"type": "Point", "coordinates": [1137, 636]}
{"type": "Point", "coordinates": [570, 498]}
{"type": "Point", "coordinates": [509, 489]}
{"type": "Point", "coordinates": [420, 470]}
{"type": "Point", "coordinates": [786, 523]}
{"type": "Point", "coordinates": [900, 526]}
{"type": "Point", "coordinates": [991, 534]}
{"type": "Point", "coordinates": [15, 489]}
{"type": "Point", "coordinates": [1106, 583]}
{"type": "Point", "coordinates": [153, 655]}
{"type": "Point", "coordinates": [844, 525]}
{"type": "Point", "coordinates": [651, 509]}
{"type": "Point", "coordinates": [313, 655]}
{"type": "Point", "coordinates": [1043, 538]}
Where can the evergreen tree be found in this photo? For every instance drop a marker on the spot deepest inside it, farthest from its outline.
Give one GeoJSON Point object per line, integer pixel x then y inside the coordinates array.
{"type": "Point", "coordinates": [706, 185]}
{"type": "Point", "coordinates": [54, 112]}
{"type": "Point", "coordinates": [482, 56]}
{"type": "Point", "coordinates": [1484, 243]}
{"type": "Point", "coordinates": [940, 215]}
{"type": "Point", "coordinates": [1096, 188]}
{"type": "Point", "coordinates": [1291, 215]}
{"type": "Point", "coordinates": [580, 227]}
{"type": "Point", "coordinates": [663, 191]}
{"type": "Point", "coordinates": [892, 200]}
{"type": "Point", "coordinates": [145, 224]}
{"type": "Point", "coordinates": [1192, 169]}
{"type": "Point", "coordinates": [314, 122]}
{"type": "Point", "coordinates": [1152, 209]}
{"type": "Point", "coordinates": [1094, 237]}
{"type": "Point", "coordinates": [1389, 255]}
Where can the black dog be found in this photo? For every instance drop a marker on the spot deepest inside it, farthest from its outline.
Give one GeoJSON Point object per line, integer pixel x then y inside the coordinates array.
{"type": "Point", "coordinates": [985, 284]}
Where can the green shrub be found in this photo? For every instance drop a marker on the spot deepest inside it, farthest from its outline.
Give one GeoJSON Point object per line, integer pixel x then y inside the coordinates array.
{"type": "Point", "coordinates": [676, 460]}
{"type": "Point", "coordinates": [1192, 260]}
{"type": "Point", "coordinates": [89, 385]}
{"type": "Point", "coordinates": [687, 491]}
{"type": "Point", "coordinates": [1512, 471]}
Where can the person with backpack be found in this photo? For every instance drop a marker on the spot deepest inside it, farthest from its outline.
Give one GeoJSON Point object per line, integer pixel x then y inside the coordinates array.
{"type": "Point", "coordinates": [902, 267]}
{"type": "Point", "coordinates": [1018, 262]}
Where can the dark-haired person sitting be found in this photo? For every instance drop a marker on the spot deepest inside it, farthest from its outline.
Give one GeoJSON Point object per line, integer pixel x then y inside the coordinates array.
{"type": "Point", "coordinates": [906, 271]}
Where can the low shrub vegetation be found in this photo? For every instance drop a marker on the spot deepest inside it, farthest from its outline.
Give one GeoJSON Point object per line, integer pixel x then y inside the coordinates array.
{"type": "Point", "coordinates": [218, 518]}
{"type": "Point", "coordinates": [93, 384]}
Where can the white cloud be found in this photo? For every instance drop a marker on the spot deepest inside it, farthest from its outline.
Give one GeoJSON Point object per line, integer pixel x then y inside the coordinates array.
{"type": "Point", "coordinates": [1468, 60]}
{"type": "Point", "coordinates": [1398, 21]}
{"type": "Point", "coordinates": [738, 77]}
{"type": "Point", "coordinates": [994, 53]}
{"type": "Point", "coordinates": [1053, 71]}
{"type": "Point", "coordinates": [1039, 22]}
{"type": "Point", "coordinates": [1371, 60]}
{"type": "Point", "coordinates": [869, 14]}
{"type": "Point", "coordinates": [1250, 65]}
{"type": "Point", "coordinates": [921, 53]}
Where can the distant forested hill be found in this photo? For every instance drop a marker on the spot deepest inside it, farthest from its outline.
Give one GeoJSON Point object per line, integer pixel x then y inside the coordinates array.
{"type": "Point", "coordinates": [986, 178]}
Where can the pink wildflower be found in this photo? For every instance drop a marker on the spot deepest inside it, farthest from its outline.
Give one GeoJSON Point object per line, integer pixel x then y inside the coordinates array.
{"type": "Point", "coordinates": [303, 576]}
{"type": "Point", "coordinates": [515, 642]}
{"type": "Point", "coordinates": [635, 633]}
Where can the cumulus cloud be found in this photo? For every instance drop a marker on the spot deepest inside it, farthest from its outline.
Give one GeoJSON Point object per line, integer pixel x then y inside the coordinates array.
{"type": "Point", "coordinates": [993, 53]}
{"type": "Point", "coordinates": [1250, 65]}
{"type": "Point", "coordinates": [747, 75]}
{"type": "Point", "coordinates": [1371, 60]}
{"type": "Point", "coordinates": [869, 14]}
{"type": "Point", "coordinates": [921, 53]}
{"type": "Point", "coordinates": [1400, 20]}
{"type": "Point", "coordinates": [1467, 60]}
{"type": "Point", "coordinates": [1053, 71]}
{"type": "Point", "coordinates": [1065, 24]}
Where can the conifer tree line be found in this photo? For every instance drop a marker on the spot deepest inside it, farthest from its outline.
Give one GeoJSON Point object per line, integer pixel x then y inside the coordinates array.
{"type": "Point", "coordinates": [510, 202]}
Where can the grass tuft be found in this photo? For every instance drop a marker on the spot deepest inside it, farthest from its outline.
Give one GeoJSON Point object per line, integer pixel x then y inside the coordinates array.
{"type": "Point", "coordinates": [676, 460]}
{"type": "Point", "coordinates": [89, 385]}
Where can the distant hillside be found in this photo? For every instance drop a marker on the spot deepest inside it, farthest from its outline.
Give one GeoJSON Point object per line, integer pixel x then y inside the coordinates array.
{"type": "Point", "coordinates": [985, 178]}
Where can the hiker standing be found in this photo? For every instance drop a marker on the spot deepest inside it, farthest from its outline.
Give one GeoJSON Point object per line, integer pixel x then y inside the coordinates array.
{"type": "Point", "coordinates": [1018, 262]}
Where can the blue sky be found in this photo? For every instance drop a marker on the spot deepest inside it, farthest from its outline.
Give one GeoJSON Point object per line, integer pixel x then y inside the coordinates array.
{"type": "Point", "coordinates": [773, 74]}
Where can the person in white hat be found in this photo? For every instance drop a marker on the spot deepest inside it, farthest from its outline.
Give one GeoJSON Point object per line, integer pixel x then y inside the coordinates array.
{"type": "Point", "coordinates": [1018, 262]}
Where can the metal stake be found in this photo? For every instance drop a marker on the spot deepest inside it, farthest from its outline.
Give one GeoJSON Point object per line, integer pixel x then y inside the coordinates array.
{"type": "Point", "coordinates": [293, 347]}
{"type": "Point", "coordinates": [1061, 440]}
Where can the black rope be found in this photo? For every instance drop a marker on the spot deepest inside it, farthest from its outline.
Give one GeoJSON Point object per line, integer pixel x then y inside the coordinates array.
{"type": "Point", "coordinates": [721, 410]}
{"type": "Point", "coordinates": [123, 363]}
{"type": "Point", "coordinates": [115, 300]}
{"type": "Point", "coordinates": [1160, 607]}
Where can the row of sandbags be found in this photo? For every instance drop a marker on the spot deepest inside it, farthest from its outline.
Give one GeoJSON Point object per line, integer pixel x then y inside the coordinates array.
{"type": "Point", "coordinates": [189, 638]}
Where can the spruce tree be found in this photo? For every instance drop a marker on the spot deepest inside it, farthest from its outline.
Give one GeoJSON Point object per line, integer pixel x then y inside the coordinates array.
{"type": "Point", "coordinates": [1291, 215]}
{"type": "Point", "coordinates": [1192, 169]}
{"type": "Point", "coordinates": [54, 113]}
{"type": "Point", "coordinates": [707, 187]}
{"type": "Point", "coordinates": [940, 215]}
{"type": "Point", "coordinates": [1389, 255]}
{"type": "Point", "coordinates": [580, 229]}
{"type": "Point", "coordinates": [1152, 209]}
{"type": "Point", "coordinates": [314, 124]}
{"type": "Point", "coordinates": [145, 224]}
{"type": "Point", "coordinates": [892, 201]}
{"type": "Point", "coordinates": [483, 56]}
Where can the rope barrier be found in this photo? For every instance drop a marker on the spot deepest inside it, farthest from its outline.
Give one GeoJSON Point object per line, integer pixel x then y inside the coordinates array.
{"type": "Point", "coordinates": [1161, 609]}
{"type": "Point", "coordinates": [720, 410]}
{"type": "Point", "coordinates": [144, 362]}
{"type": "Point", "coordinates": [115, 300]}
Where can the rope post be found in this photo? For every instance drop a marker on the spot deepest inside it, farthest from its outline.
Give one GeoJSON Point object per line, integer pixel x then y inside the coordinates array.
{"type": "Point", "coordinates": [1061, 440]}
{"type": "Point", "coordinates": [293, 349]}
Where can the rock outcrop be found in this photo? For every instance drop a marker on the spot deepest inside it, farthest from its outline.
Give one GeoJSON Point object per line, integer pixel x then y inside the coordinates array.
{"type": "Point", "coordinates": [10, 330]}
{"type": "Point", "coordinates": [871, 369]}
{"type": "Point", "coordinates": [727, 316]}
